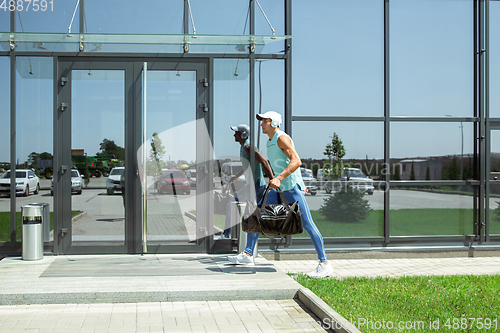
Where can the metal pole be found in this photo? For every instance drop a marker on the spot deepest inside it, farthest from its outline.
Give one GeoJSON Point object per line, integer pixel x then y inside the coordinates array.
{"type": "Point", "coordinates": [487, 113]}
{"type": "Point", "coordinates": [288, 68]}
{"type": "Point", "coordinates": [482, 130]}
{"type": "Point", "coordinates": [144, 175]}
{"type": "Point", "coordinates": [82, 16]}
{"type": "Point", "coordinates": [462, 153]}
{"type": "Point", "coordinates": [13, 133]}
{"type": "Point", "coordinates": [185, 20]}
{"type": "Point", "coordinates": [387, 124]}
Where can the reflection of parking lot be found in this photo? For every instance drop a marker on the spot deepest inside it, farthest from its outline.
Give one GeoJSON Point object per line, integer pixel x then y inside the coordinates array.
{"type": "Point", "coordinates": [406, 199]}
{"type": "Point", "coordinates": [97, 202]}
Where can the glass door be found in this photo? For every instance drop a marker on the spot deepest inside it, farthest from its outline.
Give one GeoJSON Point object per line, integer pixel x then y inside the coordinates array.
{"type": "Point", "coordinates": [133, 163]}
{"type": "Point", "coordinates": [91, 157]}
{"type": "Point", "coordinates": [175, 171]}
{"type": "Point", "coordinates": [493, 189]}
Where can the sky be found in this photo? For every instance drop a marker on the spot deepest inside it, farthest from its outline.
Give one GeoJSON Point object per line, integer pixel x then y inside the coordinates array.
{"type": "Point", "coordinates": [337, 70]}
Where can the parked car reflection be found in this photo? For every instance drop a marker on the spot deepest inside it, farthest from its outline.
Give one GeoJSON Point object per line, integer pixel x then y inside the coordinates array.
{"type": "Point", "coordinates": [174, 181]}
{"type": "Point", "coordinates": [26, 182]}
{"type": "Point", "coordinates": [113, 181]}
{"type": "Point", "coordinates": [76, 183]}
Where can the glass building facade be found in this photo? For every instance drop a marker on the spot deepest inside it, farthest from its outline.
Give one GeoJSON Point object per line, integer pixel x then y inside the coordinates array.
{"type": "Point", "coordinates": [407, 85]}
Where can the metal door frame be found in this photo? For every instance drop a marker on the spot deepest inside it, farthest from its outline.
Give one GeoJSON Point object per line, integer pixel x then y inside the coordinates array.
{"type": "Point", "coordinates": [132, 68]}
{"type": "Point", "coordinates": [494, 125]}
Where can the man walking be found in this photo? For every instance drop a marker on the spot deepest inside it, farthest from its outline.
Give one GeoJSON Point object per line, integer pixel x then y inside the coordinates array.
{"type": "Point", "coordinates": [285, 163]}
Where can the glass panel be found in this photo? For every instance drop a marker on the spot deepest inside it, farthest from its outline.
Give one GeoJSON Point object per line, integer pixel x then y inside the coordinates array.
{"type": "Point", "coordinates": [171, 125]}
{"type": "Point", "coordinates": [129, 16]}
{"type": "Point", "coordinates": [5, 147]}
{"type": "Point", "coordinates": [343, 76]}
{"type": "Point", "coordinates": [98, 146]}
{"type": "Point", "coordinates": [4, 20]}
{"type": "Point", "coordinates": [226, 17]}
{"type": "Point", "coordinates": [136, 42]}
{"type": "Point", "coordinates": [45, 16]}
{"type": "Point", "coordinates": [436, 210]}
{"type": "Point", "coordinates": [495, 183]}
{"type": "Point", "coordinates": [433, 146]}
{"type": "Point", "coordinates": [431, 63]}
{"type": "Point", "coordinates": [269, 90]}
{"type": "Point", "coordinates": [494, 57]}
{"type": "Point", "coordinates": [275, 12]}
{"type": "Point", "coordinates": [34, 138]}
{"type": "Point", "coordinates": [231, 108]}
{"type": "Point", "coordinates": [366, 216]}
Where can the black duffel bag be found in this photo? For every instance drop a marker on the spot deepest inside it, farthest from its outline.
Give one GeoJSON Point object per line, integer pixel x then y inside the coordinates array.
{"type": "Point", "coordinates": [273, 219]}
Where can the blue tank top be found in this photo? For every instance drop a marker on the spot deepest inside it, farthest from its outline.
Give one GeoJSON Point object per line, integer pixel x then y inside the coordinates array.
{"type": "Point", "coordinates": [257, 176]}
{"type": "Point", "coordinates": [279, 162]}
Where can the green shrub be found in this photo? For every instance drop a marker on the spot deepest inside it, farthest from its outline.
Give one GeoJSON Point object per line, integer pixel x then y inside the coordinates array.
{"type": "Point", "coordinates": [346, 205]}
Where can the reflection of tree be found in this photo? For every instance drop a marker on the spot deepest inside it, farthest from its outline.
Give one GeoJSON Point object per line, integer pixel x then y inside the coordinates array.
{"type": "Point", "coordinates": [109, 147]}
{"type": "Point", "coordinates": [34, 157]}
{"type": "Point", "coordinates": [346, 205]}
{"type": "Point", "coordinates": [451, 172]}
{"type": "Point", "coordinates": [155, 156]}
{"type": "Point", "coordinates": [335, 151]}
{"type": "Point", "coordinates": [397, 172]}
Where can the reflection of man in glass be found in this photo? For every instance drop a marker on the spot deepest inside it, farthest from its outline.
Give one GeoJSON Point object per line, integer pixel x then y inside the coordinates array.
{"type": "Point", "coordinates": [256, 184]}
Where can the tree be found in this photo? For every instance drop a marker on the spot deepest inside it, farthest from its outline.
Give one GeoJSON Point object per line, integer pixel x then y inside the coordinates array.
{"type": "Point", "coordinates": [335, 151]}
{"type": "Point", "coordinates": [109, 147]}
{"type": "Point", "coordinates": [412, 172]}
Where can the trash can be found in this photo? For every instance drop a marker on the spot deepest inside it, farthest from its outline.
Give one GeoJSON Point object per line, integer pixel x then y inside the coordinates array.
{"type": "Point", "coordinates": [32, 232]}
{"type": "Point", "coordinates": [45, 219]}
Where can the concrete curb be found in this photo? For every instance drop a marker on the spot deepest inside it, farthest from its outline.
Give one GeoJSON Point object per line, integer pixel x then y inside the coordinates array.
{"type": "Point", "coordinates": [325, 313]}
{"type": "Point", "coordinates": [79, 217]}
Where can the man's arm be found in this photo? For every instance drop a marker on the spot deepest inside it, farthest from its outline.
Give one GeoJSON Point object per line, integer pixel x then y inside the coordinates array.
{"type": "Point", "coordinates": [286, 145]}
{"type": "Point", "coordinates": [259, 158]}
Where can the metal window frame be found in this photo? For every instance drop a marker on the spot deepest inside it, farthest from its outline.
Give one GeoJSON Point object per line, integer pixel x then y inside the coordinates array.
{"type": "Point", "coordinates": [481, 119]}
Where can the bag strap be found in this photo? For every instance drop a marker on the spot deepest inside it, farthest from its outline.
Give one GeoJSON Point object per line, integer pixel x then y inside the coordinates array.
{"type": "Point", "coordinates": [234, 192]}
{"type": "Point", "coordinates": [282, 196]}
{"type": "Point", "coordinates": [264, 199]}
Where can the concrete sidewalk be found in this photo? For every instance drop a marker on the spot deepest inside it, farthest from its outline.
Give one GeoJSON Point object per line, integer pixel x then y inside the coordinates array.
{"type": "Point", "coordinates": [183, 292]}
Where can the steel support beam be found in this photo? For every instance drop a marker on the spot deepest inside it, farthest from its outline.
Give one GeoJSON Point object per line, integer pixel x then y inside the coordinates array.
{"type": "Point", "coordinates": [387, 122]}
{"type": "Point", "coordinates": [13, 133]}
{"type": "Point", "coordinates": [288, 68]}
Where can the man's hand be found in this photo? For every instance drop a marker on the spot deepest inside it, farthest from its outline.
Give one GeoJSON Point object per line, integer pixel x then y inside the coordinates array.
{"type": "Point", "coordinates": [274, 183]}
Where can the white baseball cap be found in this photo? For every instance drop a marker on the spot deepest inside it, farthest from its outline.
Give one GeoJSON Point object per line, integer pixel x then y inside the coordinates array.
{"type": "Point", "coordinates": [273, 115]}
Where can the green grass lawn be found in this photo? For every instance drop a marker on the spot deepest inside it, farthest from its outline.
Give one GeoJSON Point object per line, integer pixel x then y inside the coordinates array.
{"type": "Point", "coordinates": [405, 222]}
{"type": "Point", "coordinates": [416, 300]}
{"type": "Point", "coordinates": [5, 224]}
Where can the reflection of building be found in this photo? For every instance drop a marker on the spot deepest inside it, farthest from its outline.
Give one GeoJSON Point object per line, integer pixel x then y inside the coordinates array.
{"type": "Point", "coordinates": [420, 167]}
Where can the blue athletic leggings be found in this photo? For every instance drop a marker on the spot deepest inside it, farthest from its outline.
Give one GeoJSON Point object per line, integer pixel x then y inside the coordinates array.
{"type": "Point", "coordinates": [294, 195]}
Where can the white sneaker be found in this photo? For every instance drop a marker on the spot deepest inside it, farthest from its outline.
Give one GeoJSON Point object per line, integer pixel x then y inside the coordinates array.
{"type": "Point", "coordinates": [241, 259]}
{"type": "Point", "coordinates": [221, 236]}
{"type": "Point", "coordinates": [323, 270]}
